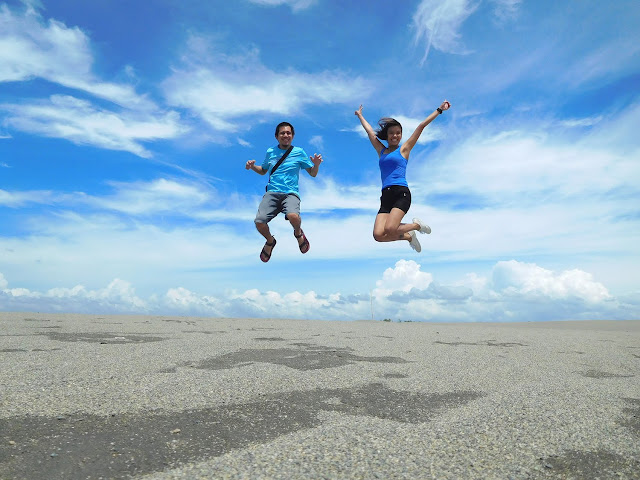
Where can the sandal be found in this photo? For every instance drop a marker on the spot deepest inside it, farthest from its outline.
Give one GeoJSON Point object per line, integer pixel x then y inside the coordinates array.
{"type": "Point", "coordinates": [304, 246]}
{"type": "Point", "coordinates": [264, 256]}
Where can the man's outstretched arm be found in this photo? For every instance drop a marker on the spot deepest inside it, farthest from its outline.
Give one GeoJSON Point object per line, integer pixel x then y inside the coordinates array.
{"type": "Point", "coordinates": [251, 165]}
{"type": "Point", "coordinates": [317, 160]}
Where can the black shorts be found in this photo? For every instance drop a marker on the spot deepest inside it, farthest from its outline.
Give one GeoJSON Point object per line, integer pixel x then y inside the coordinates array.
{"type": "Point", "coordinates": [395, 196]}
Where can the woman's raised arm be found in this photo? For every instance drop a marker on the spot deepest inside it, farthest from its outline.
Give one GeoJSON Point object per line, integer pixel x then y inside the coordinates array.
{"type": "Point", "coordinates": [377, 144]}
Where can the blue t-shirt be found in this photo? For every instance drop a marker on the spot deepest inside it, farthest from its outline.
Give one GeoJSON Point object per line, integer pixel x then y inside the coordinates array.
{"type": "Point", "coordinates": [285, 180]}
{"type": "Point", "coordinates": [393, 169]}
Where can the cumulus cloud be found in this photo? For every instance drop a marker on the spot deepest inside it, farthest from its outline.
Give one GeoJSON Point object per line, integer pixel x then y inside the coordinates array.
{"type": "Point", "coordinates": [117, 297]}
{"type": "Point", "coordinates": [515, 291]}
{"type": "Point", "coordinates": [527, 279]}
{"type": "Point", "coordinates": [402, 278]}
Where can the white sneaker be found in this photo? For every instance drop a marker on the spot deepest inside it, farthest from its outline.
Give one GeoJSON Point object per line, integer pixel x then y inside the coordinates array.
{"type": "Point", "coordinates": [424, 228]}
{"type": "Point", "coordinates": [415, 244]}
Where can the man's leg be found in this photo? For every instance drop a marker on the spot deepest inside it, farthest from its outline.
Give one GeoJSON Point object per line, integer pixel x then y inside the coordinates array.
{"type": "Point", "coordinates": [291, 206]}
{"type": "Point", "coordinates": [263, 228]}
{"type": "Point", "coordinates": [268, 209]}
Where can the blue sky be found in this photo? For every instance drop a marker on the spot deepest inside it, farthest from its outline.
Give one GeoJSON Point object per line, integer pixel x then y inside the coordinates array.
{"type": "Point", "coordinates": [125, 127]}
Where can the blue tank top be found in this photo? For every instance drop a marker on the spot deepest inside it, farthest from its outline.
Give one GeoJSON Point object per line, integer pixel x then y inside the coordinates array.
{"type": "Point", "coordinates": [393, 169]}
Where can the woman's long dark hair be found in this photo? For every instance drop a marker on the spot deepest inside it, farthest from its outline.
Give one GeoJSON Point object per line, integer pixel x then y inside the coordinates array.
{"type": "Point", "coordinates": [384, 124]}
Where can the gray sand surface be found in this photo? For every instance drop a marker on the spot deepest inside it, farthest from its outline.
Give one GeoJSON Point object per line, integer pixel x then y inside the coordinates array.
{"type": "Point", "coordinates": [85, 396]}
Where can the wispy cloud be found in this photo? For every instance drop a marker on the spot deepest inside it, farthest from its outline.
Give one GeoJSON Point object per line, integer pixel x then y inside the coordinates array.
{"type": "Point", "coordinates": [19, 199]}
{"type": "Point", "coordinates": [296, 5]}
{"type": "Point", "coordinates": [31, 47]}
{"type": "Point", "coordinates": [431, 134]}
{"type": "Point", "coordinates": [506, 9]}
{"type": "Point", "coordinates": [222, 89]}
{"type": "Point", "coordinates": [150, 198]}
{"type": "Point", "coordinates": [581, 122]}
{"type": "Point", "coordinates": [437, 24]}
{"type": "Point", "coordinates": [79, 121]}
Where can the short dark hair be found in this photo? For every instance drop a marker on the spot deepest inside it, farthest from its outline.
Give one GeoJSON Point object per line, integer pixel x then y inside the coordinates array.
{"type": "Point", "coordinates": [285, 124]}
{"type": "Point", "coordinates": [385, 123]}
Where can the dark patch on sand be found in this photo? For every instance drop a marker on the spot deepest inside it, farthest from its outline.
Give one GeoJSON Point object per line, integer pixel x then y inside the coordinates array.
{"type": "Point", "coordinates": [395, 375]}
{"type": "Point", "coordinates": [632, 421]}
{"type": "Point", "coordinates": [206, 332]}
{"type": "Point", "coordinates": [104, 338]}
{"type": "Point", "coordinates": [600, 374]}
{"type": "Point", "coordinates": [13, 350]}
{"type": "Point", "coordinates": [188, 322]}
{"type": "Point", "coordinates": [270, 339]}
{"type": "Point", "coordinates": [308, 357]}
{"type": "Point", "coordinates": [81, 446]}
{"type": "Point", "coordinates": [579, 465]}
{"type": "Point", "coordinates": [487, 343]}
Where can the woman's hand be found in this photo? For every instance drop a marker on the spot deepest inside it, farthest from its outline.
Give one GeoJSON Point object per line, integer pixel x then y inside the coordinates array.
{"type": "Point", "coordinates": [359, 111]}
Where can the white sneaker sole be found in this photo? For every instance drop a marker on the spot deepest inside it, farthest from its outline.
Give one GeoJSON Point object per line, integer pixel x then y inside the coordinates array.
{"type": "Point", "coordinates": [424, 228]}
{"type": "Point", "coordinates": [415, 244]}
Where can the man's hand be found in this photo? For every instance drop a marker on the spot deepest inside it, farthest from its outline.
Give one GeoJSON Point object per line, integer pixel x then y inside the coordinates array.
{"type": "Point", "coordinates": [358, 112]}
{"type": "Point", "coordinates": [249, 164]}
{"type": "Point", "coordinates": [316, 159]}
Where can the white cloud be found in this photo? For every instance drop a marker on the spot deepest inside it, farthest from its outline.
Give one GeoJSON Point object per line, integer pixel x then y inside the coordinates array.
{"type": "Point", "coordinates": [529, 280]}
{"type": "Point", "coordinates": [31, 47]}
{"type": "Point", "coordinates": [18, 199]}
{"type": "Point", "coordinates": [432, 133]}
{"type": "Point", "coordinates": [540, 162]}
{"type": "Point", "coordinates": [610, 60]}
{"type": "Point", "coordinates": [402, 278]}
{"type": "Point", "coordinates": [160, 195]}
{"type": "Point", "coordinates": [79, 121]}
{"type": "Point", "coordinates": [437, 24]}
{"type": "Point", "coordinates": [516, 292]}
{"type": "Point", "coordinates": [296, 5]}
{"type": "Point", "coordinates": [318, 142]}
{"type": "Point", "coordinates": [581, 122]}
{"type": "Point", "coordinates": [506, 9]}
{"type": "Point", "coordinates": [222, 89]}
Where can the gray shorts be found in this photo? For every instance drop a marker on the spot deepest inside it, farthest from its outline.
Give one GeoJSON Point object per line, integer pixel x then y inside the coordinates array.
{"type": "Point", "coordinates": [275, 202]}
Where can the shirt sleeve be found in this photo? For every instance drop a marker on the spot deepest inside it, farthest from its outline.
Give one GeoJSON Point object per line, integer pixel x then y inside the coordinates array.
{"type": "Point", "coordinates": [265, 162]}
{"type": "Point", "coordinates": [305, 161]}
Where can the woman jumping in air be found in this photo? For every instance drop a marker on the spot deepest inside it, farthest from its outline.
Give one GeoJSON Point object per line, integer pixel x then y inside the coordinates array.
{"type": "Point", "coordinates": [396, 197]}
